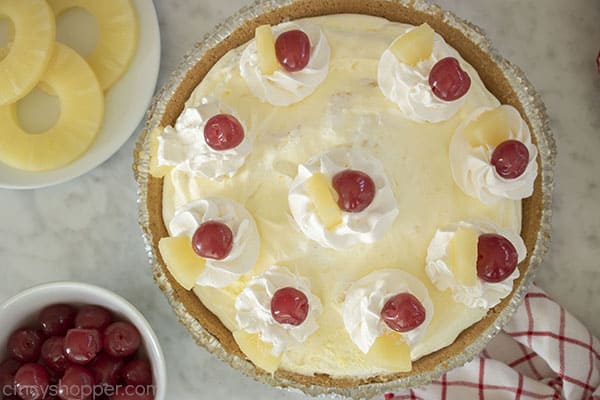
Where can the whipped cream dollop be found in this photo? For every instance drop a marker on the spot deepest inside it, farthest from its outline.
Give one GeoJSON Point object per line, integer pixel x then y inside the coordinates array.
{"type": "Point", "coordinates": [366, 226]}
{"type": "Point", "coordinates": [365, 300]}
{"type": "Point", "coordinates": [483, 294]}
{"type": "Point", "coordinates": [408, 86]}
{"type": "Point", "coordinates": [472, 169]}
{"type": "Point", "coordinates": [253, 309]}
{"type": "Point", "coordinates": [283, 88]}
{"type": "Point", "coordinates": [246, 240]}
{"type": "Point", "coordinates": [184, 147]}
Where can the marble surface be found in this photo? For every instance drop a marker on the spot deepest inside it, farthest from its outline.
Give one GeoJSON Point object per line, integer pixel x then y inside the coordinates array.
{"type": "Point", "coordinates": [86, 229]}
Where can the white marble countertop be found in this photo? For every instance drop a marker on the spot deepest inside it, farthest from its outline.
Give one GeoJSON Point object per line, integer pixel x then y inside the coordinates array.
{"type": "Point", "coordinates": [86, 230]}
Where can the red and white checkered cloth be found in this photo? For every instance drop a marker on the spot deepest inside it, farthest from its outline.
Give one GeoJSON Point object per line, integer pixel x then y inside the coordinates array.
{"type": "Point", "coordinates": [542, 353]}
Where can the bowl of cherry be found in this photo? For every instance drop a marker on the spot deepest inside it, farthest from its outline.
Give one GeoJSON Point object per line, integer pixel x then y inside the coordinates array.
{"type": "Point", "coordinates": [74, 341]}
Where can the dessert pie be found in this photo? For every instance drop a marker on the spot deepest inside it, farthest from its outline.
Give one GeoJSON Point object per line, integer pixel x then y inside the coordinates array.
{"type": "Point", "coordinates": [348, 196]}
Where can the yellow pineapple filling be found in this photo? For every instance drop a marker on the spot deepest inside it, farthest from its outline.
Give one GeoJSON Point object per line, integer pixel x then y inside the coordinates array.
{"type": "Point", "coordinates": [319, 190]}
{"type": "Point", "coordinates": [181, 260]}
{"type": "Point", "coordinates": [390, 352]}
{"type": "Point", "coordinates": [462, 256]}
{"type": "Point", "coordinates": [259, 352]}
{"type": "Point", "coordinates": [414, 46]}
{"type": "Point", "coordinates": [346, 101]}
{"type": "Point", "coordinates": [490, 128]}
{"type": "Point", "coordinates": [265, 47]}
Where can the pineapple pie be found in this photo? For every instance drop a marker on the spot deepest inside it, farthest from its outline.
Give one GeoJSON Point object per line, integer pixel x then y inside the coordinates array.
{"type": "Point", "coordinates": [344, 194]}
{"type": "Point", "coordinates": [33, 58]}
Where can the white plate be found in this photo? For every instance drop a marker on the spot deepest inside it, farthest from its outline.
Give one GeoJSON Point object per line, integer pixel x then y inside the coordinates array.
{"type": "Point", "coordinates": [126, 104]}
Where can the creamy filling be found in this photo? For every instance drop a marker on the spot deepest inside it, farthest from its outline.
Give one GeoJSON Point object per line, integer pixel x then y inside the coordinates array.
{"type": "Point", "coordinates": [347, 109]}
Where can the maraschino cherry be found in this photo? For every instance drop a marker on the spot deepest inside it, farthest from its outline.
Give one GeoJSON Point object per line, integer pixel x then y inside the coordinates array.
{"type": "Point", "coordinates": [25, 345]}
{"type": "Point", "coordinates": [121, 339]}
{"type": "Point", "coordinates": [289, 306]}
{"type": "Point", "coordinates": [403, 312]}
{"type": "Point", "coordinates": [82, 345]}
{"type": "Point", "coordinates": [223, 132]}
{"type": "Point", "coordinates": [355, 189]}
{"type": "Point", "coordinates": [497, 258]}
{"type": "Point", "coordinates": [76, 384]}
{"type": "Point", "coordinates": [293, 50]}
{"type": "Point", "coordinates": [57, 319]}
{"type": "Point", "coordinates": [31, 382]}
{"type": "Point", "coordinates": [448, 81]}
{"type": "Point", "coordinates": [213, 240]}
{"type": "Point", "coordinates": [510, 159]}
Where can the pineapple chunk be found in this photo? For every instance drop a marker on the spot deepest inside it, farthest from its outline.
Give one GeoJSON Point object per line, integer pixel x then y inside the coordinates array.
{"type": "Point", "coordinates": [257, 351]}
{"type": "Point", "coordinates": [318, 189]}
{"type": "Point", "coordinates": [491, 127]}
{"type": "Point", "coordinates": [157, 171]}
{"type": "Point", "coordinates": [31, 50]}
{"type": "Point", "coordinates": [265, 47]}
{"type": "Point", "coordinates": [181, 260]}
{"type": "Point", "coordinates": [117, 35]}
{"type": "Point", "coordinates": [415, 45]}
{"type": "Point", "coordinates": [82, 110]}
{"type": "Point", "coordinates": [462, 256]}
{"type": "Point", "coordinates": [391, 352]}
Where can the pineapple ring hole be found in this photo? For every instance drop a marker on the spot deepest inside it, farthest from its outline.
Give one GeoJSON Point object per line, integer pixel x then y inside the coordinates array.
{"type": "Point", "coordinates": [7, 29]}
{"type": "Point", "coordinates": [78, 29]}
{"type": "Point", "coordinates": [38, 111]}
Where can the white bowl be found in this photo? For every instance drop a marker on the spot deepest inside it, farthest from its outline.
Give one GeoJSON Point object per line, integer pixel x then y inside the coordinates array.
{"type": "Point", "coordinates": [22, 310]}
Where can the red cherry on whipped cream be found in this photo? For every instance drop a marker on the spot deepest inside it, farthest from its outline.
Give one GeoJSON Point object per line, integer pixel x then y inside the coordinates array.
{"type": "Point", "coordinates": [510, 159]}
{"type": "Point", "coordinates": [403, 312]}
{"type": "Point", "coordinates": [223, 132]}
{"type": "Point", "coordinates": [292, 49]}
{"type": "Point", "coordinates": [213, 240]}
{"type": "Point", "coordinates": [289, 306]}
{"type": "Point", "coordinates": [355, 189]}
{"type": "Point", "coordinates": [497, 258]}
{"type": "Point", "coordinates": [448, 81]}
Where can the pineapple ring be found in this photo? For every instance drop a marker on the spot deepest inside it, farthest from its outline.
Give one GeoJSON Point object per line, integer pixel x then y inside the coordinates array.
{"type": "Point", "coordinates": [117, 39]}
{"type": "Point", "coordinates": [82, 109]}
{"type": "Point", "coordinates": [29, 53]}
